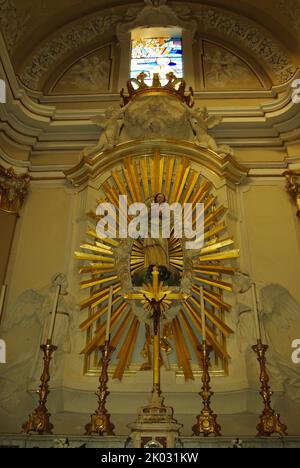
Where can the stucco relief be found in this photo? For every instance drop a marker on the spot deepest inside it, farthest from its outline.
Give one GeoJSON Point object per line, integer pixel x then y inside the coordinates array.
{"type": "Point", "coordinates": [12, 24]}
{"type": "Point", "coordinates": [291, 9]}
{"type": "Point", "coordinates": [67, 40]}
{"type": "Point", "coordinates": [206, 19]}
{"type": "Point", "coordinates": [243, 32]}
{"type": "Point", "coordinates": [90, 74]}
{"type": "Point", "coordinates": [223, 69]}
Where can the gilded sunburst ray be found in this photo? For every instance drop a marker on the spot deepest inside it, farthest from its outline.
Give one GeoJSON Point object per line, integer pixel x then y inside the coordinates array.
{"type": "Point", "coordinates": [140, 179]}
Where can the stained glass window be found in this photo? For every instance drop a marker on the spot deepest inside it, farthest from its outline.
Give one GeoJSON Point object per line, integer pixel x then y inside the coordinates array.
{"type": "Point", "coordinates": [156, 55]}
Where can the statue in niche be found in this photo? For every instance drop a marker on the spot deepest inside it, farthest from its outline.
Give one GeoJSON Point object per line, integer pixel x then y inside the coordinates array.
{"type": "Point", "coordinates": [280, 325]}
{"type": "Point", "coordinates": [110, 136]}
{"type": "Point", "coordinates": [27, 325]}
{"type": "Point", "coordinates": [156, 252]}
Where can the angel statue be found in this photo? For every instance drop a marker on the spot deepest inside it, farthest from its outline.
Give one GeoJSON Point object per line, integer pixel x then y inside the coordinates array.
{"type": "Point", "coordinates": [281, 322]}
{"type": "Point", "coordinates": [26, 328]}
{"type": "Point", "coordinates": [111, 124]}
{"type": "Point", "coordinates": [243, 313]}
{"type": "Point", "coordinates": [280, 326]}
{"type": "Point", "coordinates": [201, 122]}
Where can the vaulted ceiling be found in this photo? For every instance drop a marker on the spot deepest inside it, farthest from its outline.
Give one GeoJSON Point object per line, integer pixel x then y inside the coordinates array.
{"type": "Point", "coordinates": [34, 26]}
{"type": "Point", "coordinates": [62, 63]}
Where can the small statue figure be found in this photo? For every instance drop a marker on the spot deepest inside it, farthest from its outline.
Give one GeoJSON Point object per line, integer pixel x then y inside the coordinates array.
{"type": "Point", "coordinates": [156, 311]}
{"type": "Point", "coordinates": [201, 122]}
{"type": "Point", "coordinates": [111, 131]}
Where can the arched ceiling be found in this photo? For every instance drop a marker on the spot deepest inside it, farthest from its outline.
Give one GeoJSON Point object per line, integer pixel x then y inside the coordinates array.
{"type": "Point", "coordinates": [65, 55]}
{"type": "Point", "coordinates": [37, 31]}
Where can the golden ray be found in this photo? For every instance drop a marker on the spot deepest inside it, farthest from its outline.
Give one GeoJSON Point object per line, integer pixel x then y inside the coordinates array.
{"type": "Point", "coordinates": [126, 350]}
{"type": "Point", "coordinates": [140, 179]}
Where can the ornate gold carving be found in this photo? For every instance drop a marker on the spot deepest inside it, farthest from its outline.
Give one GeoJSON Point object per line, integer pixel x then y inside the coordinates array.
{"type": "Point", "coordinates": [207, 420]}
{"type": "Point", "coordinates": [293, 186]}
{"type": "Point", "coordinates": [175, 87]}
{"type": "Point", "coordinates": [100, 421]}
{"type": "Point", "coordinates": [269, 420]}
{"type": "Point", "coordinates": [39, 420]}
{"type": "Point", "coordinates": [13, 190]}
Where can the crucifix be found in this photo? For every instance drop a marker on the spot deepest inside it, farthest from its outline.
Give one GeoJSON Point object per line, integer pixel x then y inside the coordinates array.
{"type": "Point", "coordinates": [158, 299]}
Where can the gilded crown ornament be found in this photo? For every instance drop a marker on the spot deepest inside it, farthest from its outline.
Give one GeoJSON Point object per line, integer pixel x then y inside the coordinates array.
{"type": "Point", "coordinates": [174, 87]}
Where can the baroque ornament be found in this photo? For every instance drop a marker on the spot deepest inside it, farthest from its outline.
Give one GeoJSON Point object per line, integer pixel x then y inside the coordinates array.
{"type": "Point", "coordinates": [242, 31]}
{"type": "Point", "coordinates": [65, 41]}
{"type": "Point", "coordinates": [291, 9]}
{"type": "Point", "coordinates": [293, 186]}
{"type": "Point", "coordinates": [12, 24]}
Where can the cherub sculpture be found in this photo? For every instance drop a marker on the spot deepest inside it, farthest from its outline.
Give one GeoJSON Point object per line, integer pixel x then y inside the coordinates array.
{"type": "Point", "coordinates": [111, 124]}
{"type": "Point", "coordinates": [201, 122]}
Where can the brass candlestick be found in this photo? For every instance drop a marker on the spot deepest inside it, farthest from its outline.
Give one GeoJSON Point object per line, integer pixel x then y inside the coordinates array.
{"type": "Point", "coordinates": [207, 420]}
{"type": "Point", "coordinates": [100, 421]}
{"type": "Point", "coordinates": [39, 420]}
{"type": "Point", "coordinates": [269, 420]}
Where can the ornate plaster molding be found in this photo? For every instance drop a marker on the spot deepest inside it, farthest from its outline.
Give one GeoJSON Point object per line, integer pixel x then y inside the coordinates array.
{"type": "Point", "coordinates": [92, 166]}
{"type": "Point", "coordinates": [243, 31]}
{"type": "Point", "coordinates": [66, 40]}
{"type": "Point", "coordinates": [189, 16]}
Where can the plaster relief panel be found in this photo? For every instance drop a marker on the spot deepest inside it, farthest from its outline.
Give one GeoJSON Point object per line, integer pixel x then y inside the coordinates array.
{"type": "Point", "coordinates": [89, 75]}
{"type": "Point", "coordinates": [222, 69]}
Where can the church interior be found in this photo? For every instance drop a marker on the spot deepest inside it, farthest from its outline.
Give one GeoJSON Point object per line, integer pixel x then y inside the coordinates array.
{"type": "Point", "coordinates": [150, 340]}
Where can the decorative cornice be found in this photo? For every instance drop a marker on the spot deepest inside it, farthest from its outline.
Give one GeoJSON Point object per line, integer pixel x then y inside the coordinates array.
{"type": "Point", "coordinates": [89, 168]}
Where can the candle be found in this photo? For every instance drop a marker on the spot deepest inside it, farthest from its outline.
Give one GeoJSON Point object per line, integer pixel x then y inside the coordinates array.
{"type": "Point", "coordinates": [255, 309]}
{"type": "Point", "coordinates": [109, 313]}
{"type": "Point", "coordinates": [53, 314]}
{"type": "Point", "coordinates": [2, 298]}
{"type": "Point", "coordinates": [202, 314]}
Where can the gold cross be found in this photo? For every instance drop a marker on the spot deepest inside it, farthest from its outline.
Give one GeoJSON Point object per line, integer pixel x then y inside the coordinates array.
{"type": "Point", "coordinates": [156, 291]}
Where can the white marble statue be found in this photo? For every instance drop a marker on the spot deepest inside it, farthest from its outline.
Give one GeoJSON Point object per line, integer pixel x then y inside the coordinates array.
{"type": "Point", "coordinates": [280, 326]}
{"type": "Point", "coordinates": [25, 329]}
{"type": "Point", "coordinates": [243, 312]}
{"type": "Point", "coordinates": [281, 322]}
{"type": "Point", "coordinates": [110, 136]}
{"type": "Point", "coordinates": [201, 122]}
